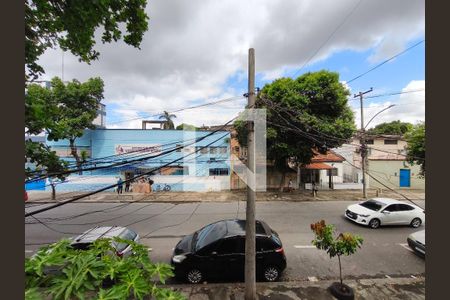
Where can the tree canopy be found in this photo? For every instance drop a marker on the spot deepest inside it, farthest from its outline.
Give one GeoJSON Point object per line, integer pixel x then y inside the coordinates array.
{"type": "Point", "coordinates": [72, 26]}
{"type": "Point", "coordinates": [168, 117]}
{"type": "Point", "coordinates": [184, 126]}
{"type": "Point", "coordinates": [394, 128]}
{"type": "Point", "coordinates": [303, 114]}
{"type": "Point", "coordinates": [416, 146]}
{"type": "Point", "coordinates": [63, 111]}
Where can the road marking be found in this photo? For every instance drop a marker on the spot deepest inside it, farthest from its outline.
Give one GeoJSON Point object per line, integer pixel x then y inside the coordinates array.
{"type": "Point", "coordinates": [406, 247]}
{"type": "Point", "coordinates": [304, 246]}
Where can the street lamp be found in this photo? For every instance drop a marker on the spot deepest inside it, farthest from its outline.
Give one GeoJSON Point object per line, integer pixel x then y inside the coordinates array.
{"type": "Point", "coordinates": [363, 144]}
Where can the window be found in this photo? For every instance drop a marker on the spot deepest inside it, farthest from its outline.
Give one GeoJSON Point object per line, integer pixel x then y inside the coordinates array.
{"type": "Point", "coordinates": [223, 150]}
{"type": "Point", "coordinates": [236, 149]}
{"type": "Point", "coordinates": [390, 142]}
{"type": "Point", "coordinates": [218, 172]}
{"type": "Point", "coordinates": [204, 150]}
{"type": "Point", "coordinates": [178, 147]}
{"type": "Point", "coordinates": [63, 151]}
{"type": "Point", "coordinates": [334, 172]}
{"type": "Point", "coordinates": [392, 208]}
{"type": "Point", "coordinates": [369, 142]}
{"type": "Point", "coordinates": [228, 246]}
{"type": "Point", "coordinates": [213, 150]}
{"type": "Point", "coordinates": [405, 207]}
{"type": "Point", "coordinates": [372, 205]}
{"type": "Point", "coordinates": [264, 244]}
{"type": "Point", "coordinates": [210, 234]}
{"type": "Point", "coordinates": [175, 171]}
{"type": "Point", "coordinates": [126, 235]}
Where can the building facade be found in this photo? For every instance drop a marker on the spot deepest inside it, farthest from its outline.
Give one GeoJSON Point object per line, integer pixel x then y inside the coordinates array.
{"type": "Point", "coordinates": [131, 152]}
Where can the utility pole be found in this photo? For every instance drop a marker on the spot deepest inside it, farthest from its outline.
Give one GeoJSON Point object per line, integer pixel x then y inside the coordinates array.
{"type": "Point", "coordinates": [250, 235]}
{"type": "Point", "coordinates": [363, 141]}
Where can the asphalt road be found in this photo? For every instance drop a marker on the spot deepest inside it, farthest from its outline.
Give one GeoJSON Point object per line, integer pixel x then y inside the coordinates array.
{"type": "Point", "coordinates": [162, 225]}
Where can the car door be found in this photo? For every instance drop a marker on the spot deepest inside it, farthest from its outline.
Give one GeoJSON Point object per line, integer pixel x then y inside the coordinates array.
{"type": "Point", "coordinates": [207, 260]}
{"type": "Point", "coordinates": [406, 213]}
{"type": "Point", "coordinates": [389, 215]}
{"type": "Point", "coordinates": [230, 257]}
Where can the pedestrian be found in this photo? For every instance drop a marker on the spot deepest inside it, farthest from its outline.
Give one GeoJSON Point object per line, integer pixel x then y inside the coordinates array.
{"type": "Point", "coordinates": [119, 186]}
{"type": "Point", "coordinates": [150, 183]}
{"type": "Point", "coordinates": [127, 185]}
{"type": "Point", "coordinates": [290, 186]}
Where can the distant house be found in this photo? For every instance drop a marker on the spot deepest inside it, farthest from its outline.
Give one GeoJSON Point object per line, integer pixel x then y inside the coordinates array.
{"type": "Point", "coordinates": [386, 162]}
{"type": "Point", "coordinates": [324, 171]}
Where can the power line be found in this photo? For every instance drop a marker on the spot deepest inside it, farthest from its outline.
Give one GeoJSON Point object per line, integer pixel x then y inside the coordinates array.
{"type": "Point", "coordinates": [128, 180]}
{"type": "Point", "coordinates": [386, 61]}
{"type": "Point", "coordinates": [329, 37]}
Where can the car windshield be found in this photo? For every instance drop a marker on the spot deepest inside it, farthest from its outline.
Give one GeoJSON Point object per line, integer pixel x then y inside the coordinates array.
{"type": "Point", "coordinates": [209, 234]}
{"type": "Point", "coordinates": [372, 205]}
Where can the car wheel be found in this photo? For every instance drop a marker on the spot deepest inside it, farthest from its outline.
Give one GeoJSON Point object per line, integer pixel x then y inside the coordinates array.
{"type": "Point", "coordinates": [271, 273]}
{"type": "Point", "coordinates": [374, 223]}
{"type": "Point", "coordinates": [416, 222]}
{"type": "Point", "coordinates": [194, 276]}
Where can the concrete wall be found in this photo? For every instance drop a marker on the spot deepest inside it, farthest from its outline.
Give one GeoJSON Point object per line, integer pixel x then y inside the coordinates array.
{"type": "Point", "coordinates": [388, 172]}
{"type": "Point", "coordinates": [103, 145]}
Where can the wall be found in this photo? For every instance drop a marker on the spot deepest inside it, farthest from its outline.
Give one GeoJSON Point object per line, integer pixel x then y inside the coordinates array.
{"type": "Point", "coordinates": [104, 143]}
{"type": "Point", "coordinates": [387, 171]}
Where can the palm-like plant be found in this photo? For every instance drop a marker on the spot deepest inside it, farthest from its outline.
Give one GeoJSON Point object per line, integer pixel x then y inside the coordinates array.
{"type": "Point", "coordinates": [168, 118]}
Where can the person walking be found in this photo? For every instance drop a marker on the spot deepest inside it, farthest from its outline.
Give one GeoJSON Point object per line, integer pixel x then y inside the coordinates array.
{"type": "Point", "coordinates": [290, 186]}
{"type": "Point", "coordinates": [119, 186]}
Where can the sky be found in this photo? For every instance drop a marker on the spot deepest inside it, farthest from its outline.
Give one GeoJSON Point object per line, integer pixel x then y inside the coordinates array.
{"type": "Point", "coordinates": [196, 52]}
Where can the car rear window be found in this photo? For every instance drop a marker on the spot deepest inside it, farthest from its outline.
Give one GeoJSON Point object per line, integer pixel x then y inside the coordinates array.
{"type": "Point", "coordinates": [126, 235]}
{"type": "Point", "coordinates": [372, 205]}
{"type": "Point", "coordinates": [276, 239]}
{"type": "Point", "coordinates": [265, 244]}
{"type": "Point", "coordinates": [210, 234]}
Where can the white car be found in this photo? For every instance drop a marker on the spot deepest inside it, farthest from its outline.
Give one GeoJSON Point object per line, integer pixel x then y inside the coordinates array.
{"type": "Point", "coordinates": [385, 211]}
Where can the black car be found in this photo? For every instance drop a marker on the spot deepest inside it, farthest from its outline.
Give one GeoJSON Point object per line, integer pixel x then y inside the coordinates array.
{"type": "Point", "coordinates": [218, 251]}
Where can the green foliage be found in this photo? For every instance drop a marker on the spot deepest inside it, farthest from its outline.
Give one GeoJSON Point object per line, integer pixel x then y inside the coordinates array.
{"type": "Point", "coordinates": [45, 160]}
{"type": "Point", "coordinates": [184, 126]}
{"type": "Point", "coordinates": [62, 112]}
{"type": "Point", "coordinates": [394, 128]}
{"type": "Point", "coordinates": [168, 117]}
{"type": "Point", "coordinates": [310, 112]}
{"type": "Point", "coordinates": [82, 273]}
{"type": "Point", "coordinates": [344, 244]}
{"type": "Point", "coordinates": [72, 25]}
{"type": "Point", "coordinates": [33, 294]}
{"type": "Point", "coordinates": [416, 146]}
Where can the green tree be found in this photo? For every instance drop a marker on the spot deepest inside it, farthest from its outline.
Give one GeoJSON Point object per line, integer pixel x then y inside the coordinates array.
{"type": "Point", "coordinates": [343, 244]}
{"type": "Point", "coordinates": [64, 111]}
{"type": "Point", "coordinates": [185, 126]}
{"type": "Point", "coordinates": [304, 114]}
{"type": "Point", "coordinates": [415, 150]}
{"type": "Point", "coordinates": [168, 118]}
{"type": "Point", "coordinates": [72, 25]}
{"type": "Point", "coordinates": [394, 128]}
{"type": "Point", "coordinates": [85, 274]}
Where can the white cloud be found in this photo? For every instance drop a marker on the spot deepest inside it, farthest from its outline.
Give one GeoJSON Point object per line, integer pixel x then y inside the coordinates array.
{"type": "Point", "coordinates": [409, 107]}
{"type": "Point", "coordinates": [193, 47]}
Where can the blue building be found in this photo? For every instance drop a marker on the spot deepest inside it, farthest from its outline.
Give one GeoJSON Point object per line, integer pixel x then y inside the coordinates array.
{"type": "Point", "coordinates": [202, 165]}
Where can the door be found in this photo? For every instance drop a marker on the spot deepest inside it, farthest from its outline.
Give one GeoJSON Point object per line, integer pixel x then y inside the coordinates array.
{"type": "Point", "coordinates": [230, 257]}
{"type": "Point", "coordinates": [406, 213]}
{"type": "Point", "coordinates": [390, 215]}
{"type": "Point", "coordinates": [405, 177]}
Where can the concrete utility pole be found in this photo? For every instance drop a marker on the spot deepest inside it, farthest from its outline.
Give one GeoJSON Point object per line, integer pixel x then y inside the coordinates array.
{"type": "Point", "coordinates": [250, 235]}
{"type": "Point", "coordinates": [363, 141]}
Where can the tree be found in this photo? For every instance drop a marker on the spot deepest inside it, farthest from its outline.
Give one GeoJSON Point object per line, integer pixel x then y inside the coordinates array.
{"type": "Point", "coordinates": [168, 117]}
{"type": "Point", "coordinates": [45, 160]}
{"type": "Point", "coordinates": [185, 126]}
{"type": "Point", "coordinates": [304, 114]}
{"type": "Point", "coordinates": [96, 271]}
{"type": "Point", "coordinates": [415, 150]}
{"type": "Point", "coordinates": [64, 111]}
{"type": "Point", "coordinates": [394, 128]}
{"type": "Point", "coordinates": [72, 25]}
{"type": "Point", "coordinates": [343, 244]}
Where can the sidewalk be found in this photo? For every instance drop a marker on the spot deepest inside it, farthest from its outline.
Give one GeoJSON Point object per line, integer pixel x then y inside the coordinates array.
{"type": "Point", "coordinates": [224, 196]}
{"type": "Point", "coordinates": [386, 288]}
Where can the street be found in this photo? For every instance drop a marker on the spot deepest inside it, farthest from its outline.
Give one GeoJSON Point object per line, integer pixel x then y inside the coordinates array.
{"type": "Point", "coordinates": [162, 225]}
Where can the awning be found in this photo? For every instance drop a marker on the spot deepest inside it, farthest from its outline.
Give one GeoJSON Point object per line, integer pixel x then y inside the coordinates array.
{"type": "Point", "coordinates": [317, 166]}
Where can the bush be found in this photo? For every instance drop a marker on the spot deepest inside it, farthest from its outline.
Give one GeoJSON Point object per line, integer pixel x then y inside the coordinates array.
{"type": "Point", "coordinates": [61, 272]}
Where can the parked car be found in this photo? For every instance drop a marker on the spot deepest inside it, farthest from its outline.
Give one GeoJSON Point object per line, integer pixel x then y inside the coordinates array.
{"type": "Point", "coordinates": [218, 251]}
{"type": "Point", "coordinates": [416, 242]}
{"type": "Point", "coordinates": [385, 211]}
{"type": "Point", "coordinates": [84, 240]}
